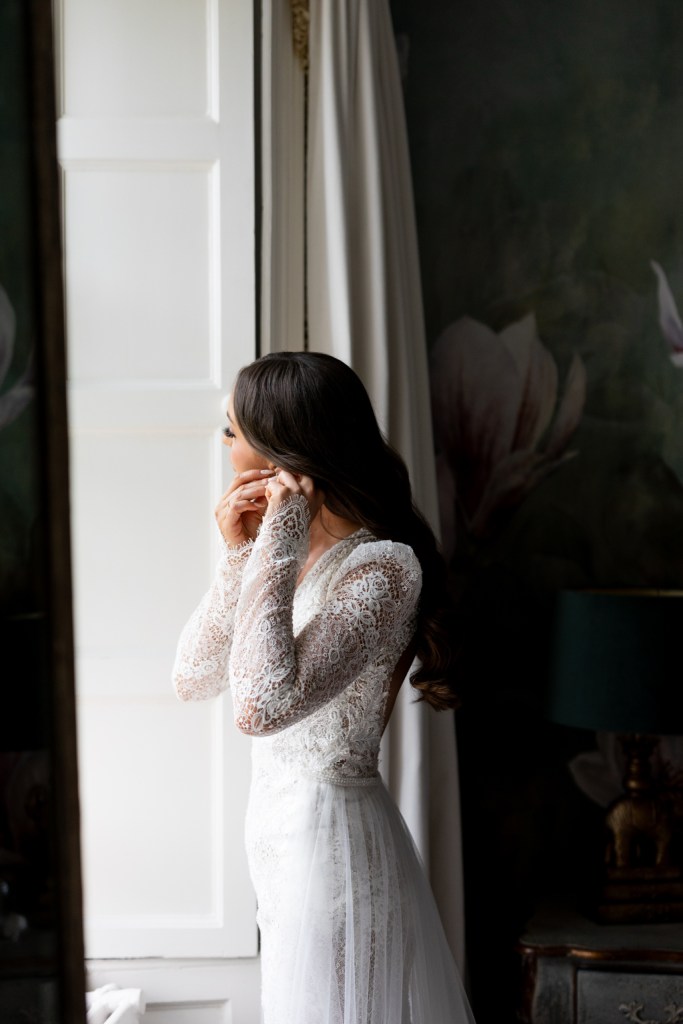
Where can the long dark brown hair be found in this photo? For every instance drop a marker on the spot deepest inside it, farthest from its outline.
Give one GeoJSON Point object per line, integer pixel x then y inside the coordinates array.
{"type": "Point", "coordinates": [309, 413]}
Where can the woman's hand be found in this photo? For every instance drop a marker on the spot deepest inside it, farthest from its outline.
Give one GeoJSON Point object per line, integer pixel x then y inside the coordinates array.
{"type": "Point", "coordinates": [242, 507]}
{"type": "Point", "coordinates": [283, 485]}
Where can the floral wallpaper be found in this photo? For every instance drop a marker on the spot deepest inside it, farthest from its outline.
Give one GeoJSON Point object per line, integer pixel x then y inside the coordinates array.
{"type": "Point", "coordinates": [19, 466]}
{"type": "Point", "coordinates": [546, 154]}
{"type": "Point", "coordinates": [546, 145]}
{"type": "Point", "coordinates": [17, 479]}
{"type": "Point", "coordinates": [501, 425]}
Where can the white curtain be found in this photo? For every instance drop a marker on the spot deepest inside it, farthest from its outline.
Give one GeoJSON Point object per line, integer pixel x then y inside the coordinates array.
{"type": "Point", "coordinates": [364, 305]}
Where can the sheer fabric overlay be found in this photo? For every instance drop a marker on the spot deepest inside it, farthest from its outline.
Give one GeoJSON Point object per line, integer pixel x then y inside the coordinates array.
{"type": "Point", "coordinates": [350, 933]}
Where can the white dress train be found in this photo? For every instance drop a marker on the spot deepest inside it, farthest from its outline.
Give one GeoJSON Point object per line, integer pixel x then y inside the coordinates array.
{"type": "Point", "coordinates": [350, 933]}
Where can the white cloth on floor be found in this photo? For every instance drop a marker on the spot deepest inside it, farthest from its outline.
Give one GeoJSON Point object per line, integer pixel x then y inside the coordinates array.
{"type": "Point", "coordinates": [113, 1005]}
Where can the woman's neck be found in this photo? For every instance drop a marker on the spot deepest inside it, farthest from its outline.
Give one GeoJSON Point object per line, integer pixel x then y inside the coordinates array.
{"type": "Point", "coordinates": [327, 529]}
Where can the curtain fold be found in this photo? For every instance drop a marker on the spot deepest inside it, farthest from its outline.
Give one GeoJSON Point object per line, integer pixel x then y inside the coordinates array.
{"type": "Point", "coordinates": [364, 305]}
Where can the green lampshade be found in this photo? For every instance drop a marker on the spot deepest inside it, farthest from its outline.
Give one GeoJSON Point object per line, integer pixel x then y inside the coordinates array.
{"type": "Point", "coordinates": [616, 661]}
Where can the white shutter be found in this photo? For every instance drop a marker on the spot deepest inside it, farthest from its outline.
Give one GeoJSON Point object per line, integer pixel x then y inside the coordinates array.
{"type": "Point", "coordinates": [156, 144]}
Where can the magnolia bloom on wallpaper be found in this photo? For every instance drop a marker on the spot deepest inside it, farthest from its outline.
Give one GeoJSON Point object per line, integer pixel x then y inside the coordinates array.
{"type": "Point", "coordinates": [669, 320]}
{"type": "Point", "coordinates": [499, 428]}
{"type": "Point", "coordinates": [14, 400]}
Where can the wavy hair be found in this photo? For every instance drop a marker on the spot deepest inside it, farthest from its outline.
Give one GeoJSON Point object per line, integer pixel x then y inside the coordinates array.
{"type": "Point", "coordinates": [309, 413]}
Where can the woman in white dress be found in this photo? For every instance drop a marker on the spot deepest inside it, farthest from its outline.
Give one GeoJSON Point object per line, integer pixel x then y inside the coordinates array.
{"type": "Point", "coordinates": [329, 585]}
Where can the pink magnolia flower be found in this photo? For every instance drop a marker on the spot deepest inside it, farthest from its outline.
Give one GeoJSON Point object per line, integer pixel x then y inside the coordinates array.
{"type": "Point", "coordinates": [14, 400]}
{"type": "Point", "coordinates": [669, 320]}
{"type": "Point", "coordinates": [497, 421]}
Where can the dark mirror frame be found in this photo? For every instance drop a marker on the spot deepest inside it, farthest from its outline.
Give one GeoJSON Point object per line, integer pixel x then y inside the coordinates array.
{"type": "Point", "coordinates": [37, 692]}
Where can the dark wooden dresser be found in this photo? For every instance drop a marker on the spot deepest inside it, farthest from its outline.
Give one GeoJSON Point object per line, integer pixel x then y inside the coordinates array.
{"type": "Point", "coordinates": [575, 971]}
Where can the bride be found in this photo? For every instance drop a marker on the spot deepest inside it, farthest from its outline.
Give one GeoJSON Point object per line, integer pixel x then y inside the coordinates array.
{"type": "Point", "coordinates": [329, 586]}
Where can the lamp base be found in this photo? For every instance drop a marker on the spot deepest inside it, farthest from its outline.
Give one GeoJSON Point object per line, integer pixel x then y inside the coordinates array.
{"type": "Point", "coordinates": [643, 878]}
{"type": "Point", "coordinates": [650, 898]}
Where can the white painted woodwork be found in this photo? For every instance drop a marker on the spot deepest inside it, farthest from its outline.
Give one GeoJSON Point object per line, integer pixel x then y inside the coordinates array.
{"type": "Point", "coordinates": [155, 140]}
{"type": "Point", "coordinates": [156, 275]}
{"type": "Point", "coordinates": [184, 992]}
{"type": "Point", "coordinates": [123, 58]}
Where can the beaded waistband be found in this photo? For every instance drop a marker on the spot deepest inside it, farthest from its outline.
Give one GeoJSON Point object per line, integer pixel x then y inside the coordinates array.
{"type": "Point", "coordinates": [345, 780]}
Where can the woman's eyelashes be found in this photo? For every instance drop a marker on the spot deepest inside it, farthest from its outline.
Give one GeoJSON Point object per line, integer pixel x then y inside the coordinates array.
{"type": "Point", "coordinates": [228, 433]}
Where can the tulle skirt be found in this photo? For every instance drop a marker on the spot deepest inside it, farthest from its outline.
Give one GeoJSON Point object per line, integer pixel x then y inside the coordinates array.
{"type": "Point", "coordinates": [350, 932]}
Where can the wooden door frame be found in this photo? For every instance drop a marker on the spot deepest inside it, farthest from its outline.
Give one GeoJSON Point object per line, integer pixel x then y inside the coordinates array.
{"type": "Point", "coordinates": [51, 397]}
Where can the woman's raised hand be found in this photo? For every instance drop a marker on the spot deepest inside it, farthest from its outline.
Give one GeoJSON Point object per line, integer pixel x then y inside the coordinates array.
{"type": "Point", "coordinates": [242, 507]}
{"type": "Point", "coordinates": [284, 484]}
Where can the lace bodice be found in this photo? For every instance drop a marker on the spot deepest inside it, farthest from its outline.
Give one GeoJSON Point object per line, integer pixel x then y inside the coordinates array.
{"type": "Point", "coordinates": [309, 666]}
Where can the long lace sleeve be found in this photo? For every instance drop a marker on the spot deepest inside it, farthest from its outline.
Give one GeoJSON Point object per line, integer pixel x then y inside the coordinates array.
{"type": "Point", "coordinates": [277, 678]}
{"type": "Point", "coordinates": [201, 663]}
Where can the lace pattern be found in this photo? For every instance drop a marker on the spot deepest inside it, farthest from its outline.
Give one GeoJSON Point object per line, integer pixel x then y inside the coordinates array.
{"type": "Point", "coordinates": [200, 670]}
{"type": "Point", "coordinates": [309, 667]}
{"type": "Point", "coordinates": [278, 677]}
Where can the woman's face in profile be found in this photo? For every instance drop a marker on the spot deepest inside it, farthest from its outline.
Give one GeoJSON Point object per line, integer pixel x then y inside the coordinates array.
{"type": "Point", "coordinates": [242, 455]}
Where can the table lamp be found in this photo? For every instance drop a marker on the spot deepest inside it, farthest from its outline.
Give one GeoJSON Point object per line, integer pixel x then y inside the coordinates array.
{"type": "Point", "coordinates": [616, 666]}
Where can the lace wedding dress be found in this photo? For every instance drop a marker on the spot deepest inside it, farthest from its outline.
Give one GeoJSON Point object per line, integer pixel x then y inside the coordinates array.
{"type": "Point", "coordinates": [350, 933]}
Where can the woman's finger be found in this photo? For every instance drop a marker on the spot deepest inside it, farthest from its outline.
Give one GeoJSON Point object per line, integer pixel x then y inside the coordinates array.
{"type": "Point", "coordinates": [297, 483]}
{"type": "Point", "coordinates": [284, 484]}
{"type": "Point", "coordinates": [239, 505]}
{"type": "Point", "coordinates": [287, 479]}
{"type": "Point", "coordinates": [248, 476]}
{"type": "Point", "coordinates": [247, 490]}
{"type": "Point", "coordinates": [253, 474]}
